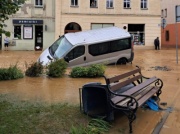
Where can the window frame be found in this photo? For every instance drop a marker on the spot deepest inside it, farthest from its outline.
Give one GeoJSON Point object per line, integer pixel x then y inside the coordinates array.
{"type": "Point", "coordinates": [144, 4]}
{"type": "Point", "coordinates": [165, 13]}
{"type": "Point", "coordinates": [16, 37]}
{"type": "Point", "coordinates": [17, 2]}
{"type": "Point", "coordinates": [74, 3]}
{"type": "Point", "coordinates": [109, 3]}
{"type": "Point", "coordinates": [38, 4]}
{"type": "Point", "coordinates": [167, 35]}
{"type": "Point", "coordinates": [95, 5]}
{"type": "Point", "coordinates": [126, 2]}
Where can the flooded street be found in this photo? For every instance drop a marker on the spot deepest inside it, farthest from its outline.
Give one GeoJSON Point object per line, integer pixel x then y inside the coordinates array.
{"type": "Point", "coordinates": [66, 89]}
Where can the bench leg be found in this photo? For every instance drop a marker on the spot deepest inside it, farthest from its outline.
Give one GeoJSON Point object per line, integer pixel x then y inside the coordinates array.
{"type": "Point", "coordinates": [131, 117]}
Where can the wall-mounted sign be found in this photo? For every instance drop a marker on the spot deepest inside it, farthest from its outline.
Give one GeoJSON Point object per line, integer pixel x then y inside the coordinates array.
{"type": "Point", "coordinates": [27, 21]}
{"type": "Point", "coordinates": [28, 32]}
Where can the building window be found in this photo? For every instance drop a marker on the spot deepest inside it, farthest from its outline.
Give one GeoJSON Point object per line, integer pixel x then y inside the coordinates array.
{"type": "Point", "coordinates": [162, 13]}
{"type": "Point", "coordinates": [167, 35]}
{"type": "Point", "coordinates": [100, 25]}
{"type": "Point", "coordinates": [74, 2]}
{"type": "Point", "coordinates": [165, 13]}
{"type": "Point", "coordinates": [93, 3]}
{"type": "Point", "coordinates": [17, 32]}
{"type": "Point", "coordinates": [38, 2]}
{"type": "Point", "coordinates": [109, 3]}
{"type": "Point", "coordinates": [17, 2]}
{"type": "Point", "coordinates": [127, 3]}
{"type": "Point", "coordinates": [143, 4]}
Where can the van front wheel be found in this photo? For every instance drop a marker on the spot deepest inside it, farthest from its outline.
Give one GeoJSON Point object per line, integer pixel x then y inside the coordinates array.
{"type": "Point", "coordinates": [122, 61]}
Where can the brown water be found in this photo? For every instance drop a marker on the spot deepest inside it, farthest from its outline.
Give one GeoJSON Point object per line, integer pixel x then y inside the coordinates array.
{"type": "Point", "coordinates": [66, 89]}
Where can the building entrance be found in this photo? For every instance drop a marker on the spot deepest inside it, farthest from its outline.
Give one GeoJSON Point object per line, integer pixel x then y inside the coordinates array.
{"type": "Point", "coordinates": [137, 32]}
{"type": "Point", "coordinates": [38, 37]}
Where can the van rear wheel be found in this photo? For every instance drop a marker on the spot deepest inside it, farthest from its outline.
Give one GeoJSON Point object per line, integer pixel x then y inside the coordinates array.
{"type": "Point", "coordinates": [122, 61]}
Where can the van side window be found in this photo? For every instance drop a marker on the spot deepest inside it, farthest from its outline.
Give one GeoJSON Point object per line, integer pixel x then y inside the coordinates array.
{"type": "Point", "coordinates": [109, 47]}
{"type": "Point", "coordinates": [99, 49]}
{"type": "Point", "coordinates": [76, 52]}
{"type": "Point", "coordinates": [119, 45]}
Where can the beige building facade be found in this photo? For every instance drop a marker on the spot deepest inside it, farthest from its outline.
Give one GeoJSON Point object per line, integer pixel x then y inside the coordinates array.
{"type": "Point", "coordinates": [142, 18]}
{"type": "Point", "coordinates": [32, 27]}
{"type": "Point", "coordinates": [43, 21]}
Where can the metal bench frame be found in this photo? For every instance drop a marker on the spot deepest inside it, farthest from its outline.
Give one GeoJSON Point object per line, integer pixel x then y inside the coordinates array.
{"type": "Point", "coordinates": [129, 101]}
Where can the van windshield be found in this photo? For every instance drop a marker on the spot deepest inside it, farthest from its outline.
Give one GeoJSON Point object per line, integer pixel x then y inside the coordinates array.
{"type": "Point", "coordinates": [60, 47]}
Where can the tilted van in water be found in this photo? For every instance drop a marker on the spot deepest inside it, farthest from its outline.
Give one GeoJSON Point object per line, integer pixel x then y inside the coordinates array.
{"type": "Point", "coordinates": [106, 45]}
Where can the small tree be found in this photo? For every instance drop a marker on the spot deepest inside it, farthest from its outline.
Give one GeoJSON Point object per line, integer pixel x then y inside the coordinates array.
{"type": "Point", "coordinates": [8, 7]}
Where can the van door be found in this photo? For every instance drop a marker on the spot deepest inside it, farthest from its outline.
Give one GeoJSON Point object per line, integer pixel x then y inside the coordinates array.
{"type": "Point", "coordinates": [77, 56]}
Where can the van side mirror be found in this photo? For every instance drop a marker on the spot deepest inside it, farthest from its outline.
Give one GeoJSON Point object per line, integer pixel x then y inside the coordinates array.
{"type": "Point", "coordinates": [66, 59]}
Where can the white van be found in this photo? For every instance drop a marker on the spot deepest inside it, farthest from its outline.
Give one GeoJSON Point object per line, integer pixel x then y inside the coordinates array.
{"type": "Point", "coordinates": [106, 45]}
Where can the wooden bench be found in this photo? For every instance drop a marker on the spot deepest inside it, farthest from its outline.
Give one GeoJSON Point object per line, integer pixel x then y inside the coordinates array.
{"type": "Point", "coordinates": [130, 100]}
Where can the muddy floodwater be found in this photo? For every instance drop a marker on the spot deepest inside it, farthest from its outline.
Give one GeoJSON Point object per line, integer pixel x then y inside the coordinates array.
{"type": "Point", "coordinates": [159, 63]}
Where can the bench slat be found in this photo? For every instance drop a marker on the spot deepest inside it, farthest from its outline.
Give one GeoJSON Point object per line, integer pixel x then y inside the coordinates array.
{"type": "Point", "coordinates": [147, 96]}
{"type": "Point", "coordinates": [134, 89]}
{"type": "Point", "coordinates": [137, 96]}
{"type": "Point", "coordinates": [118, 85]}
{"type": "Point", "coordinates": [117, 78]}
{"type": "Point", "coordinates": [142, 99]}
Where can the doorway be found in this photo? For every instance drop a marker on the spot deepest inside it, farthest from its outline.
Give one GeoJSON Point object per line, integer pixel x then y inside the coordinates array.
{"type": "Point", "coordinates": [0, 41]}
{"type": "Point", "coordinates": [72, 28]}
{"type": "Point", "coordinates": [38, 38]}
{"type": "Point", "coordinates": [137, 31]}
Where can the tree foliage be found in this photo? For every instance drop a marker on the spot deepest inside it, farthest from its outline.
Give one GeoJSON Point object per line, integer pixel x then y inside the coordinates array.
{"type": "Point", "coordinates": [8, 7]}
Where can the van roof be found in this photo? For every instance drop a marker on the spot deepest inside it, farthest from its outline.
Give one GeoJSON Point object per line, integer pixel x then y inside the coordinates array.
{"type": "Point", "coordinates": [96, 35]}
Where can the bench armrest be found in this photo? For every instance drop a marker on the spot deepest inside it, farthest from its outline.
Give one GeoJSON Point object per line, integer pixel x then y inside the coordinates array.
{"type": "Point", "coordinates": [132, 103]}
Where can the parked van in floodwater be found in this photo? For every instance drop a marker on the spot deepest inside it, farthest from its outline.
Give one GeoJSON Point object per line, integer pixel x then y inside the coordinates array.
{"type": "Point", "coordinates": [106, 45]}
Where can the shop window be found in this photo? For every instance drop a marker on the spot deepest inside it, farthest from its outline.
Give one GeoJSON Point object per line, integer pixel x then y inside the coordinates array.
{"type": "Point", "coordinates": [38, 2]}
{"type": "Point", "coordinates": [143, 4]}
{"type": "Point", "coordinates": [137, 32]}
{"type": "Point", "coordinates": [127, 4]}
{"type": "Point", "coordinates": [74, 2]}
{"type": "Point", "coordinates": [17, 32]}
{"type": "Point", "coordinates": [109, 3]}
{"type": "Point", "coordinates": [167, 35]}
{"type": "Point", "coordinates": [93, 3]}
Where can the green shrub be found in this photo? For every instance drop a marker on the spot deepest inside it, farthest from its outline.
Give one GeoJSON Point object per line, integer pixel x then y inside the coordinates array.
{"type": "Point", "coordinates": [56, 68]}
{"type": "Point", "coordinates": [95, 126]}
{"type": "Point", "coordinates": [96, 70]}
{"type": "Point", "coordinates": [79, 72]}
{"type": "Point", "coordinates": [13, 72]}
{"type": "Point", "coordinates": [34, 70]}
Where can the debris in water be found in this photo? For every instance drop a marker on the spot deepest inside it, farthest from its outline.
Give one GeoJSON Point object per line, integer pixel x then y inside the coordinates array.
{"type": "Point", "coordinates": [164, 68]}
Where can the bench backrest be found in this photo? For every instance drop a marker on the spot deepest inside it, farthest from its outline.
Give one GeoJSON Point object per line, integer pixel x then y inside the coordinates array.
{"type": "Point", "coordinates": [122, 80]}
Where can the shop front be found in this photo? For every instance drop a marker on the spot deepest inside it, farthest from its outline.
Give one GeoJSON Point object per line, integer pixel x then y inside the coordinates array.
{"type": "Point", "coordinates": [30, 31]}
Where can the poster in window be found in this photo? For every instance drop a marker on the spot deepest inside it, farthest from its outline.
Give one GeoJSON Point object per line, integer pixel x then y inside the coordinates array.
{"type": "Point", "coordinates": [28, 32]}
